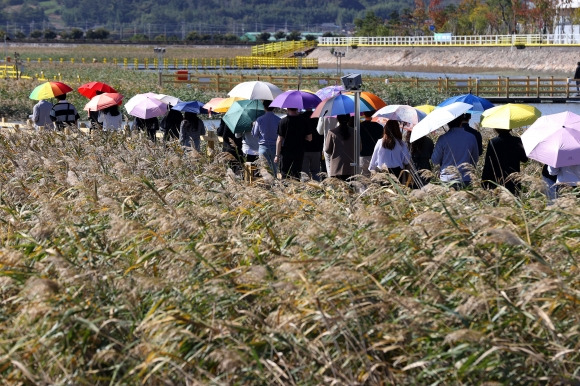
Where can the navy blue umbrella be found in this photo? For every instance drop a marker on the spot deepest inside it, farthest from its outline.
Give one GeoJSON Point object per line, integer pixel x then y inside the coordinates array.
{"type": "Point", "coordinates": [190, 107]}
{"type": "Point", "coordinates": [479, 104]}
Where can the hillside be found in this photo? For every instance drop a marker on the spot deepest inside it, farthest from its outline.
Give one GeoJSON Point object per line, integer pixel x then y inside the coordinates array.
{"type": "Point", "coordinates": [182, 16]}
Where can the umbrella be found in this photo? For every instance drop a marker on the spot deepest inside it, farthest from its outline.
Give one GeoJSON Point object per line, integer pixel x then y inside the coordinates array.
{"type": "Point", "coordinates": [191, 107]}
{"type": "Point", "coordinates": [212, 103]}
{"type": "Point", "coordinates": [102, 101]}
{"type": "Point", "coordinates": [425, 108]}
{"type": "Point", "coordinates": [510, 116]}
{"type": "Point", "coordinates": [479, 104]}
{"type": "Point", "coordinates": [373, 100]}
{"type": "Point", "coordinates": [296, 100]}
{"type": "Point", "coordinates": [438, 118]}
{"type": "Point", "coordinates": [338, 105]}
{"type": "Point", "coordinates": [90, 89]}
{"type": "Point", "coordinates": [255, 90]}
{"type": "Point", "coordinates": [48, 90]}
{"type": "Point", "coordinates": [329, 92]}
{"type": "Point", "coordinates": [554, 139]}
{"type": "Point", "coordinates": [145, 106]}
{"type": "Point", "coordinates": [402, 113]}
{"type": "Point", "coordinates": [225, 104]}
{"type": "Point", "coordinates": [168, 99]}
{"type": "Point", "coordinates": [242, 115]}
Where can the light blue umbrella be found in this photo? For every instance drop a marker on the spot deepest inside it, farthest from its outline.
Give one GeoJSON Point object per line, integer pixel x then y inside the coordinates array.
{"type": "Point", "coordinates": [242, 114]}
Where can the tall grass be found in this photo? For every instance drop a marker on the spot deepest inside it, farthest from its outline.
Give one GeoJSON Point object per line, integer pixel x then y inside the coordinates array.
{"type": "Point", "coordinates": [125, 262]}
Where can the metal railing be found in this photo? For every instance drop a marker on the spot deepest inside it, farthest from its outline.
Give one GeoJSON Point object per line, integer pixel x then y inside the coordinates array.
{"type": "Point", "coordinates": [282, 48]}
{"type": "Point", "coordinates": [451, 40]}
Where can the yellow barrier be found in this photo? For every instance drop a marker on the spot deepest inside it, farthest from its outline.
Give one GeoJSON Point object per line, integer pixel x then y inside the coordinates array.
{"type": "Point", "coordinates": [280, 49]}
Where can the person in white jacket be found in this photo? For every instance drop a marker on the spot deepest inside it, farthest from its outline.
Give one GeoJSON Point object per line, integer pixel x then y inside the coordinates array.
{"type": "Point", "coordinates": [110, 118]}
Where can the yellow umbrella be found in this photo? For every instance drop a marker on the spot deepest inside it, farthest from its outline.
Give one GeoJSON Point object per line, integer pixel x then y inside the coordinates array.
{"type": "Point", "coordinates": [225, 104]}
{"type": "Point", "coordinates": [425, 108]}
{"type": "Point", "coordinates": [509, 116]}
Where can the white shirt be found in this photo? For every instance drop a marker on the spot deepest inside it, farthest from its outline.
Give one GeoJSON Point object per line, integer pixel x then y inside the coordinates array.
{"type": "Point", "coordinates": [109, 122]}
{"type": "Point", "coordinates": [387, 158]}
{"type": "Point", "coordinates": [569, 175]}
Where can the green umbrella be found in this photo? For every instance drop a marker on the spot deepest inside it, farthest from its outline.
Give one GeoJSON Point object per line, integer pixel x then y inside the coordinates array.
{"type": "Point", "coordinates": [240, 117]}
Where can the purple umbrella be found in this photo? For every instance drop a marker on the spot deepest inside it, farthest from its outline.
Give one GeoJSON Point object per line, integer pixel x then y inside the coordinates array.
{"type": "Point", "coordinates": [294, 99]}
{"type": "Point", "coordinates": [554, 140]}
{"type": "Point", "coordinates": [329, 92]}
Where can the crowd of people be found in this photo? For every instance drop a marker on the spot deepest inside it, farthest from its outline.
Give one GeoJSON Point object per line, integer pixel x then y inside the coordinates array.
{"type": "Point", "coordinates": [296, 145]}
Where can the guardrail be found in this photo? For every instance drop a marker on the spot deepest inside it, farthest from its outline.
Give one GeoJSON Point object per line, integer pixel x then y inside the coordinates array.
{"type": "Point", "coordinates": [281, 48]}
{"type": "Point", "coordinates": [225, 82]}
{"type": "Point", "coordinates": [451, 40]}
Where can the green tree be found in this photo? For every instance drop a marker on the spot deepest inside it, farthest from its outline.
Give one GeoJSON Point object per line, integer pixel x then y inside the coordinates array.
{"type": "Point", "coordinates": [370, 25]}
{"type": "Point", "coordinates": [310, 37]}
{"type": "Point", "coordinates": [49, 34]}
{"type": "Point", "coordinates": [280, 35]}
{"type": "Point", "coordinates": [98, 34]}
{"type": "Point", "coordinates": [294, 36]}
{"type": "Point", "coordinates": [264, 37]}
{"type": "Point", "coordinates": [36, 34]}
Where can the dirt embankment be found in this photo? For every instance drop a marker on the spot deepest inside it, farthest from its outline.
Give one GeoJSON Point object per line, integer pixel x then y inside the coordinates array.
{"type": "Point", "coordinates": [532, 61]}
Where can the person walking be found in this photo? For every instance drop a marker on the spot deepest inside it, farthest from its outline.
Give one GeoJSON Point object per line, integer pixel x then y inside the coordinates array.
{"type": "Point", "coordinates": [110, 118]}
{"type": "Point", "coordinates": [421, 151]}
{"type": "Point", "coordinates": [41, 114]}
{"type": "Point", "coordinates": [577, 78]}
{"type": "Point", "coordinates": [391, 153]}
{"type": "Point", "coordinates": [339, 145]}
{"type": "Point", "coordinates": [471, 130]}
{"type": "Point", "coordinates": [150, 125]}
{"type": "Point", "coordinates": [293, 132]}
{"type": "Point", "coordinates": [456, 148]}
{"type": "Point", "coordinates": [312, 149]}
{"type": "Point", "coordinates": [370, 133]}
{"type": "Point", "coordinates": [63, 113]}
{"type": "Point", "coordinates": [171, 124]}
{"type": "Point", "coordinates": [323, 126]}
{"type": "Point", "coordinates": [191, 129]}
{"type": "Point", "coordinates": [265, 129]}
{"type": "Point", "coordinates": [502, 158]}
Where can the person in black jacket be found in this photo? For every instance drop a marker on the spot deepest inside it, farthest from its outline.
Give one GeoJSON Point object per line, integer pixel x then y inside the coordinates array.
{"type": "Point", "coordinates": [231, 145]}
{"type": "Point", "coordinates": [151, 125]}
{"type": "Point", "coordinates": [469, 129]}
{"type": "Point", "coordinates": [502, 158]}
{"type": "Point", "coordinates": [577, 78]}
{"type": "Point", "coordinates": [170, 124]}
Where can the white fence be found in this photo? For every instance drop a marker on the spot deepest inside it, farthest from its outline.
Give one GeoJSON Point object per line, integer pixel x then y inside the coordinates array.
{"type": "Point", "coordinates": [450, 40]}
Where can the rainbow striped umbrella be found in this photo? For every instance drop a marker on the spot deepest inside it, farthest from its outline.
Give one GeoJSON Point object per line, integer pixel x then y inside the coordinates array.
{"type": "Point", "coordinates": [49, 90]}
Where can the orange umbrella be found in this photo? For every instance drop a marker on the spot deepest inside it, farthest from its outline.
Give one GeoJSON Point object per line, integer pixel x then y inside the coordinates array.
{"type": "Point", "coordinates": [372, 99]}
{"type": "Point", "coordinates": [225, 104]}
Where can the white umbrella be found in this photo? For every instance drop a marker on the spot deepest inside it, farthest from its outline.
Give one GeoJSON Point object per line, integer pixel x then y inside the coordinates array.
{"type": "Point", "coordinates": [403, 113]}
{"type": "Point", "coordinates": [438, 118]}
{"type": "Point", "coordinates": [255, 90]}
{"type": "Point", "coordinates": [168, 99]}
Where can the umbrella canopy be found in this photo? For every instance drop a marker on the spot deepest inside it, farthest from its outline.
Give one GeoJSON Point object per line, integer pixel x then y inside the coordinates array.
{"type": "Point", "coordinates": [338, 105]}
{"type": "Point", "coordinates": [102, 101]}
{"type": "Point", "coordinates": [371, 99]}
{"type": "Point", "coordinates": [509, 116]}
{"type": "Point", "coordinates": [90, 89]}
{"type": "Point", "coordinates": [49, 90]}
{"type": "Point", "coordinates": [168, 99]}
{"type": "Point", "coordinates": [145, 106]}
{"type": "Point", "coordinates": [439, 117]}
{"type": "Point", "coordinates": [213, 102]}
{"type": "Point", "coordinates": [226, 103]}
{"type": "Point", "coordinates": [329, 92]}
{"type": "Point", "coordinates": [554, 139]}
{"type": "Point", "coordinates": [295, 99]}
{"type": "Point", "coordinates": [242, 115]}
{"type": "Point", "coordinates": [255, 90]}
{"type": "Point", "coordinates": [404, 113]}
{"type": "Point", "coordinates": [479, 104]}
{"type": "Point", "coordinates": [190, 107]}
{"type": "Point", "coordinates": [425, 108]}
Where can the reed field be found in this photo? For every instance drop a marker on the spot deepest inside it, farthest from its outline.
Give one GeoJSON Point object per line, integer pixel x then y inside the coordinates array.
{"type": "Point", "coordinates": [124, 261]}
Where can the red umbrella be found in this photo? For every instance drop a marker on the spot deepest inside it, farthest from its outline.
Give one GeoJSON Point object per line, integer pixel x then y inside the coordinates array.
{"type": "Point", "coordinates": [99, 102]}
{"type": "Point", "coordinates": [90, 89]}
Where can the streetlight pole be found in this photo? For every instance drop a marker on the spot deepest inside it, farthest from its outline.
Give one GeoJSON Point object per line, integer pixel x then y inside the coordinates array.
{"type": "Point", "coordinates": [339, 55]}
{"type": "Point", "coordinates": [299, 55]}
{"type": "Point", "coordinates": [159, 51]}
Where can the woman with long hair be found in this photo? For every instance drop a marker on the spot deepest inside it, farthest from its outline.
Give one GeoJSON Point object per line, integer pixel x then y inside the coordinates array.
{"type": "Point", "coordinates": [110, 118]}
{"type": "Point", "coordinates": [339, 145]}
{"type": "Point", "coordinates": [190, 130]}
{"type": "Point", "coordinates": [391, 153]}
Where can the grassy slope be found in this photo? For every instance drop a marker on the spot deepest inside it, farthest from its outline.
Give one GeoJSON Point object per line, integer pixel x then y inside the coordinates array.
{"type": "Point", "coordinates": [128, 262]}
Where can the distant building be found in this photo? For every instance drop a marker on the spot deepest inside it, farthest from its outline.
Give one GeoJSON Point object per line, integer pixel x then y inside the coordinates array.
{"type": "Point", "coordinates": [564, 24]}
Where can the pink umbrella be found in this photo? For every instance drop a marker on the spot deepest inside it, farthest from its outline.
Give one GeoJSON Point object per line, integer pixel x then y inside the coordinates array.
{"type": "Point", "coordinates": [554, 139]}
{"type": "Point", "coordinates": [145, 106]}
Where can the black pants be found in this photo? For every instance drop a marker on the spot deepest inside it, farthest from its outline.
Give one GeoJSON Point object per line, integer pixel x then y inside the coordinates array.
{"type": "Point", "coordinates": [291, 165]}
